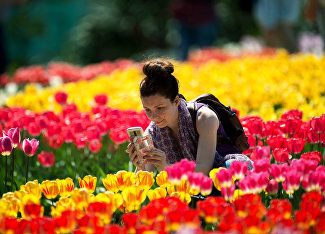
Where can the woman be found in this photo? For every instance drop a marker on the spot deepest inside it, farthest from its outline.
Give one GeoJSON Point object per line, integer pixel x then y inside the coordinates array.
{"type": "Point", "coordinates": [171, 126]}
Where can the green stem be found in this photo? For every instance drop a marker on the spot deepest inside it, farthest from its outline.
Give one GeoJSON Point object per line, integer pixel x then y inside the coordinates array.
{"type": "Point", "coordinates": [27, 165]}
{"type": "Point", "coordinates": [12, 168]}
{"type": "Point", "coordinates": [6, 173]}
{"type": "Point", "coordinates": [256, 141]}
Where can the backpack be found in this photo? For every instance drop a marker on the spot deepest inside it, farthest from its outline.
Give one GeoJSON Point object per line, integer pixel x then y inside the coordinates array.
{"type": "Point", "coordinates": [230, 122]}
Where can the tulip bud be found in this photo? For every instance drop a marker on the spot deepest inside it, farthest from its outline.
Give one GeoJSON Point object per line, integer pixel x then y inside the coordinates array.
{"type": "Point", "coordinates": [30, 147]}
{"type": "Point", "coordinates": [6, 145]}
{"type": "Point", "coordinates": [101, 99]}
{"type": "Point", "coordinates": [206, 186]}
{"type": "Point", "coordinates": [14, 135]}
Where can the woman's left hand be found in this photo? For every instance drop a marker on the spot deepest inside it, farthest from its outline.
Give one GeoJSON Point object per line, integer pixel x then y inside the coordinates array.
{"type": "Point", "coordinates": [157, 158]}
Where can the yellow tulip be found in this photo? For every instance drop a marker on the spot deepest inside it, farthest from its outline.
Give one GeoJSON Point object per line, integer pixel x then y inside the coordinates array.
{"type": "Point", "coordinates": [81, 198]}
{"type": "Point", "coordinates": [125, 179]}
{"type": "Point", "coordinates": [88, 182]}
{"type": "Point", "coordinates": [50, 189]}
{"type": "Point", "coordinates": [65, 187]}
{"type": "Point", "coordinates": [111, 183]}
{"type": "Point", "coordinates": [31, 207]}
{"type": "Point", "coordinates": [162, 179]}
{"type": "Point", "coordinates": [32, 187]}
{"type": "Point", "coordinates": [157, 193]}
{"type": "Point", "coordinates": [133, 197]}
{"type": "Point", "coordinates": [184, 197]}
{"type": "Point", "coordinates": [144, 179]}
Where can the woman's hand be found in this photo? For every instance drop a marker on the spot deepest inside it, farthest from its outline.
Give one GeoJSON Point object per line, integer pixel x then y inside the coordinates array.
{"type": "Point", "coordinates": [157, 158]}
{"type": "Point", "coordinates": [134, 158]}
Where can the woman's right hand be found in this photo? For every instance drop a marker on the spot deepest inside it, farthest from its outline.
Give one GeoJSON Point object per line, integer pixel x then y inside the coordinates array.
{"type": "Point", "coordinates": [134, 158]}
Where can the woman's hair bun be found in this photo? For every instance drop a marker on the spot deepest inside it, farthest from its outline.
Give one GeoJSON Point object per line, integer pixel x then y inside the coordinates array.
{"type": "Point", "coordinates": [158, 68]}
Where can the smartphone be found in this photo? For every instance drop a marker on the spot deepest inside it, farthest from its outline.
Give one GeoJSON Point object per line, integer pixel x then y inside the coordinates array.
{"type": "Point", "coordinates": [134, 133]}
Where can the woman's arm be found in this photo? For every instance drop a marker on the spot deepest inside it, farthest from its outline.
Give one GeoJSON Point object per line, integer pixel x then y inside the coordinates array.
{"type": "Point", "coordinates": [207, 126]}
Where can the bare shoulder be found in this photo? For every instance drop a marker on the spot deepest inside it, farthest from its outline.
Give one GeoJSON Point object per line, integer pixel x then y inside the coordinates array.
{"type": "Point", "coordinates": [207, 119]}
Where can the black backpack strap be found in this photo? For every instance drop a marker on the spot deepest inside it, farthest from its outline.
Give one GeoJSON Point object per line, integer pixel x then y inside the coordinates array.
{"type": "Point", "coordinates": [192, 108]}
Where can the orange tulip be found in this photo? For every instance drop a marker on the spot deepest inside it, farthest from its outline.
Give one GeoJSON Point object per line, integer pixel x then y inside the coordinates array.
{"type": "Point", "coordinates": [88, 182]}
{"type": "Point", "coordinates": [111, 183]}
{"type": "Point", "coordinates": [50, 189]}
{"type": "Point", "coordinates": [144, 179]}
{"type": "Point", "coordinates": [65, 187]}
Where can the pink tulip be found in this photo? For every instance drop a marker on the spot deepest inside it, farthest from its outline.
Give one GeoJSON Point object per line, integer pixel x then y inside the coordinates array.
{"type": "Point", "coordinates": [238, 169]}
{"type": "Point", "coordinates": [14, 135]}
{"type": "Point", "coordinates": [261, 152]}
{"type": "Point", "coordinates": [224, 177]}
{"type": "Point", "coordinates": [313, 181]}
{"type": "Point", "coordinates": [228, 192]}
{"type": "Point", "coordinates": [278, 171]}
{"type": "Point", "coordinates": [206, 186]}
{"type": "Point", "coordinates": [292, 181]}
{"type": "Point", "coordinates": [6, 145]}
{"type": "Point", "coordinates": [262, 165]}
{"type": "Point", "coordinates": [272, 187]}
{"type": "Point", "coordinates": [30, 147]}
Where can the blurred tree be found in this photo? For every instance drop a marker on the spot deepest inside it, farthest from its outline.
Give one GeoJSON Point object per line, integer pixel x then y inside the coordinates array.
{"type": "Point", "coordinates": [119, 28]}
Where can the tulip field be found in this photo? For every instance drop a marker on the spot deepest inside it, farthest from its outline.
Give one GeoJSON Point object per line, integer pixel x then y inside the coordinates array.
{"type": "Point", "coordinates": [64, 168]}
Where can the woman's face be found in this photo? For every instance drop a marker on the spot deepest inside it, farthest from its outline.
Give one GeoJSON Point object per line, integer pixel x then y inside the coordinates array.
{"type": "Point", "coordinates": [161, 110]}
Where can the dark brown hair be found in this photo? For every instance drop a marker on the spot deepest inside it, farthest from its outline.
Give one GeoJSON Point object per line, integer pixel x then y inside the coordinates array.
{"type": "Point", "coordinates": [159, 79]}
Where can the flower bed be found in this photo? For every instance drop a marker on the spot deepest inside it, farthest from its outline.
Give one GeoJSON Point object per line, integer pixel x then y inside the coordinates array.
{"type": "Point", "coordinates": [264, 86]}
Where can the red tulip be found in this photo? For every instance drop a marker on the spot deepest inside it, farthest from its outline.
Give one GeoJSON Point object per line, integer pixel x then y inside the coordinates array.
{"type": "Point", "coordinates": [61, 97]}
{"type": "Point", "coordinates": [14, 135]}
{"type": "Point", "coordinates": [292, 114]}
{"type": "Point", "coordinates": [30, 147]}
{"type": "Point", "coordinates": [34, 129]}
{"type": "Point", "coordinates": [314, 155]}
{"type": "Point", "coordinates": [317, 124]}
{"type": "Point", "coordinates": [6, 145]}
{"type": "Point", "coordinates": [281, 155]}
{"type": "Point", "coordinates": [292, 126]}
{"type": "Point", "coordinates": [313, 137]}
{"type": "Point", "coordinates": [101, 99]}
{"type": "Point", "coordinates": [295, 145]}
{"type": "Point", "coordinates": [95, 146]}
{"type": "Point", "coordinates": [46, 159]}
{"type": "Point", "coordinates": [256, 128]}
{"type": "Point", "coordinates": [131, 220]}
{"type": "Point", "coordinates": [277, 142]}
